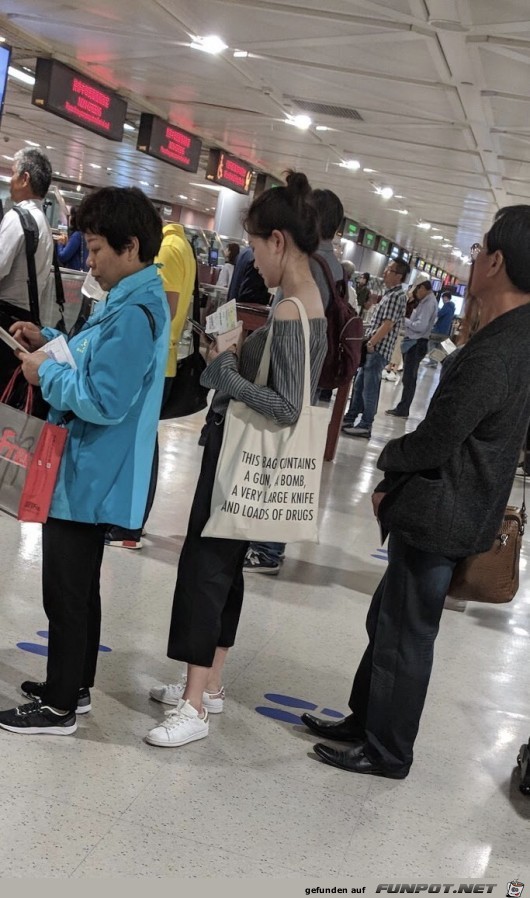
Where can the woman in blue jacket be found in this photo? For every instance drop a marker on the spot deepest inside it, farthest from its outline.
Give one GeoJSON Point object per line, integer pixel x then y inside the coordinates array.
{"type": "Point", "coordinates": [73, 254]}
{"type": "Point", "coordinates": [110, 404]}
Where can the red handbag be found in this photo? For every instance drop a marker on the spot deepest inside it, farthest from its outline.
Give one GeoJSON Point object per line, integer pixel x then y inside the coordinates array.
{"type": "Point", "coordinates": [30, 455]}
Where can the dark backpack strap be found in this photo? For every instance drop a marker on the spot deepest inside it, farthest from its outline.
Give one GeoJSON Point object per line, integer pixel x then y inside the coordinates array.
{"type": "Point", "coordinates": [59, 290]}
{"type": "Point", "coordinates": [196, 314]}
{"type": "Point", "coordinates": [31, 238]}
{"type": "Point", "coordinates": [150, 318]}
{"type": "Point", "coordinates": [332, 283]}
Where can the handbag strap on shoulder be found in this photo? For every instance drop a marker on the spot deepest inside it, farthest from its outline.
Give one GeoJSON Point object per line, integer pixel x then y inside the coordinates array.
{"type": "Point", "coordinates": [263, 371]}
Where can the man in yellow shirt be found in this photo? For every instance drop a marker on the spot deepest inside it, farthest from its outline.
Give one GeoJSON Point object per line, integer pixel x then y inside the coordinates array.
{"type": "Point", "coordinates": [178, 275]}
{"type": "Point", "coordinates": [177, 270]}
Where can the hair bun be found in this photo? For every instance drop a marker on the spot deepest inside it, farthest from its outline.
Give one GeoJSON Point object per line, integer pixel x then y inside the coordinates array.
{"type": "Point", "coordinates": [297, 185]}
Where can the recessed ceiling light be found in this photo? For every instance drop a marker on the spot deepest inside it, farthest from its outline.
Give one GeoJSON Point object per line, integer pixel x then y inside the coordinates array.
{"type": "Point", "coordinates": [94, 165]}
{"type": "Point", "coordinates": [399, 196]}
{"type": "Point", "coordinates": [50, 148]}
{"type": "Point", "coordinates": [370, 171]}
{"type": "Point", "coordinates": [19, 75]}
{"type": "Point", "coordinates": [11, 158]}
{"type": "Point", "coordinates": [128, 127]}
{"type": "Point", "coordinates": [32, 143]}
{"type": "Point", "coordinates": [212, 43]}
{"type": "Point", "coordinates": [323, 128]}
{"type": "Point", "coordinates": [436, 237]}
{"type": "Point", "coordinates": [241, 54]}
{"type": "Point", "coordinates": [403, 211]}
{"type": "Point", "coordinates": [424, 225]}
{"type": "Point", "coordinates": [144, 183]}
{"type": "Point", "coordinates": [182, 196]}
{"type": "Point", "coordinates": [2, 39]}
{"type": "Point", "coordinates": [352, 164]}
{"type": "Point", "coordinates": [387, 193]}
{"type": "Point", "coordinates": [299, 121]}
{"type": "Point", "coordinates": [206, 186]}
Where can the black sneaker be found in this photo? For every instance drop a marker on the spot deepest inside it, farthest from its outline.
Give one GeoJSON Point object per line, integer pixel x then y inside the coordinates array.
{"type": "Point", "coordinates": [36, 690]}
{"type": "Point", "coordinates": [36, 718]}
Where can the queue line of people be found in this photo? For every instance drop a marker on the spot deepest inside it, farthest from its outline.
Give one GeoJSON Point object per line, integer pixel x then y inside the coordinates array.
{"type": "Point", "coordinates": [442, 496]}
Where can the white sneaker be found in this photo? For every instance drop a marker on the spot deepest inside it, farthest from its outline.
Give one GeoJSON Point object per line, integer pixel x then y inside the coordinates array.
{"type": "Point", "coordinates": [182, 725]}
{"type": "Point", "coordinates": [172, 693]}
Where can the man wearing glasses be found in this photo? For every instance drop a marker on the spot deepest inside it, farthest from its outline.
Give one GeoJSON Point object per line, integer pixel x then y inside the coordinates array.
{"type": "Point", "coordinates": [382, 335]}
{"type": "Point", "coordinates": [443, 495]}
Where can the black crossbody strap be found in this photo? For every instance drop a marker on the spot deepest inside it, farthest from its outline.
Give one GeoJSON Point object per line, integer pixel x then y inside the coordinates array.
{"type": "Point", "coordinates": [31, 239]}
{"type": "Point", "coordinates": [59, 290]}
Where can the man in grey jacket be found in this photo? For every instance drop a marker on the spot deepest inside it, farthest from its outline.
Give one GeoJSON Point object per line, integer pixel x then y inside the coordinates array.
{"type": "Point", "coordinates": [414, 346]}
{"type": "Point", "coordinates": [443, 496]}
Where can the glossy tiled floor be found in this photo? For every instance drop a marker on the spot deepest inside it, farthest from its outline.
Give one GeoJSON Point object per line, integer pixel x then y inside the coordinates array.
{"type": "Point", "coordinates": [251, 800]}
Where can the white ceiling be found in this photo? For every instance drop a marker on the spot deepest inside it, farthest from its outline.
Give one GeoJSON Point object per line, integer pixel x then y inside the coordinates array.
{"type": "Point", "coordinates": [442, 89]}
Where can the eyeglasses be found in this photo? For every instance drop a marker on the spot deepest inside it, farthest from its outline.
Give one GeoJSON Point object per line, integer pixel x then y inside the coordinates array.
{"type": "Point", "coordinates": [393, 271]}
{"type": "Point", "coordinates": [475, 250]}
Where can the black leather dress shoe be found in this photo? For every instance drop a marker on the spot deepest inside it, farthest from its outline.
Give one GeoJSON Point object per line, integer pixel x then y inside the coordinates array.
{"type": "Point", "coordinates": [355, 760]}
{"type": "Point", "coordinates": [345, 730]}
{"type": "Point", "coordinates": [395, 413]}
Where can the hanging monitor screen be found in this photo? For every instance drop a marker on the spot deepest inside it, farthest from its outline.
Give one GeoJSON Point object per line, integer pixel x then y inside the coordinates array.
{"type": "Point", "coordinates": [164, 141]}
{"type": "Point", "coordinates": [350, 230]}
{"type": "Point", "coordinates": [420, 264]}
{"type": "Point", "coordinates": [5, 56]}
{"type": "Point", "coordinates": [395, 251]}
{"type": "Point", "coordinates": [368, 239]}
{"type": "Point", "coordinates": [65, 92]}
{"type": "Point", "coordinates": [229, 171]}
{"type": "Point", "coordinates": [266, 182]}
{"type": "Point", "coordinates": [383, 246]}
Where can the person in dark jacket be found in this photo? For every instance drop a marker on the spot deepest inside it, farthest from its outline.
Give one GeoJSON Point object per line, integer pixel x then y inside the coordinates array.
{"type": "Point", "coordinates": [443, 496]}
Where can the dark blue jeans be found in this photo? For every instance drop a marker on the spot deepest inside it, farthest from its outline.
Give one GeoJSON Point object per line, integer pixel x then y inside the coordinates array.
{"type": "Point", "coordinates": [411, 364]}
{"type": "Point", "coordinates": [391, 682]}
{"type": "Point", "coordinates": [365, 396]}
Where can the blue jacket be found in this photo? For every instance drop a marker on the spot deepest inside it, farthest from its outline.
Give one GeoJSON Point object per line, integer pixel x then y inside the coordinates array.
{"type": "Point", "coordinates": [445, 317]}
{"type": "Point", "coordinates": [74, 253]}
{"type": "Point", "coordinates": [115, 395]}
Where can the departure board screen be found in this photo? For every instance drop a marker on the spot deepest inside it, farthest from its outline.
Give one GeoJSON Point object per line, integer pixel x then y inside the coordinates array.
{"type": "Point", "coordinates": [229, 171]}
{"type": "Point", "coordinates": [383, 246]}
{"type": "Point", "coordinates": [266, 182]}
{"type": "Point", "coordinates": [67, 93]}
{"type": "Point", "coordinates": [368, 238]}
{"type": "Point", "coordinates": [5, 56]}
{"type": "Point", "coordinates": [350, 230]}
{"type": "Point", "coordinates": [167, 142]}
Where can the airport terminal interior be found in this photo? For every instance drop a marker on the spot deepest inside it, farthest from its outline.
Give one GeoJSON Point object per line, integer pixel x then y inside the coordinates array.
{"type": "Point", "coordinates": [415, 112]}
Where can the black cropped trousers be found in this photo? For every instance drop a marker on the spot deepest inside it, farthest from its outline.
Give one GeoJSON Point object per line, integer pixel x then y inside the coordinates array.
{"type": "Point", "coordinates": [209, 590]}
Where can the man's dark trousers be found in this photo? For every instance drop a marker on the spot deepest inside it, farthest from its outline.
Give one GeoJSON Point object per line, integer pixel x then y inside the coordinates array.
{"type": "Point", "coordinates": [411, 364]}
{"type": "Point", "coordinates": [391, 682]}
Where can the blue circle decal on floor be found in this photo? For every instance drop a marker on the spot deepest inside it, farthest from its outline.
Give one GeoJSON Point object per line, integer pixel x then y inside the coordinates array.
{"type": "Point", "coordinates": [289, 701]}
{"type": "Point", "coordinates": [37, 649]}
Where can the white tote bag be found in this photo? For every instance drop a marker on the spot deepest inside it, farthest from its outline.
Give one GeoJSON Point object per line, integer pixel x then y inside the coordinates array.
{"type": "Point", "coordinates": [267, 481]}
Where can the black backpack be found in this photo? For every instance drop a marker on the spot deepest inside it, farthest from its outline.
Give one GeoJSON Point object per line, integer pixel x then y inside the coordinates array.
{"type": "Point", "coordinates": [345, 333]}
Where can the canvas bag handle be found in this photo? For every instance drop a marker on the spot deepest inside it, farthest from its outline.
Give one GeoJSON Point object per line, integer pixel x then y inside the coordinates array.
{"type": "Point", "coordinates": [262, 376]}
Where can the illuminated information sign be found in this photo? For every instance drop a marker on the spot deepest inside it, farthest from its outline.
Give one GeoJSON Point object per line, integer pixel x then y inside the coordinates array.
{"type": "Point", "coordinates": [165, 141]}
{"type": "Point", "coordinates": [350, 230]}
{"type": "Point", "coordinates": [383, 246]}
{"type": "Point", "coordinates": [368, 239]}
{"type": "Point", "coordinates": [229, 171]}
{"type": "Point", "coordinates": [63, 91]}
{"type": "Point", "coordinates": [5, 57]}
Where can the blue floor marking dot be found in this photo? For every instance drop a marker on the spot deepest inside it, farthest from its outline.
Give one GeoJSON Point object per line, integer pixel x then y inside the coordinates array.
{"type": "Point", "coordinates": [329, 712]}
{"type": "Point", "coordinates": [290, 701]}
{"type": "Point", "coordinates": [33, 647]}
{"type": "Point", "coordinates": [279, 714]}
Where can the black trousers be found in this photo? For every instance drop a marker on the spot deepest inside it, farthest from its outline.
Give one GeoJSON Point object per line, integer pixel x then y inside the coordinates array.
{"type": "Point", "coordinates": [411, 364]}
{"type": "Point", "coordinates": [209, 591]}
{"type": "Point", "coordinates": [71, 562]}
{"type": "Point", "coordinates": [391, 682]}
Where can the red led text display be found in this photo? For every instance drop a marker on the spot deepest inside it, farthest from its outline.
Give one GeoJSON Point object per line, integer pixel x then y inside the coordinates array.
{"type": "Point", "coordinates": [229, 171]}
{"type": "Point", "coordinates": [164, 141]}
{"type": "Point", "coordinates": [65, 92]}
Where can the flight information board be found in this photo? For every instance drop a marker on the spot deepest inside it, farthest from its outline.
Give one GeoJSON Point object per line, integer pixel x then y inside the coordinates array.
{"type": "Point", "coordinates": [229, 171]}
{"type": "Point", "coordinates": [72, 96]}
{"type": "Point", "coordinates": [161, 139]}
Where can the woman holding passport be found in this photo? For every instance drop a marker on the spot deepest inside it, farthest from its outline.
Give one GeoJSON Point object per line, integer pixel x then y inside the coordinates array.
{"type": "Point", "coordinates": [109, 401]}
{"type": "Point", "coordinates": [283, 233]}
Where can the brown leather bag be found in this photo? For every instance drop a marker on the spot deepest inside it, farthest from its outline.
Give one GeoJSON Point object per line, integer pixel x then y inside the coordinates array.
{"type": "Point", "coordinates": [493, 576]}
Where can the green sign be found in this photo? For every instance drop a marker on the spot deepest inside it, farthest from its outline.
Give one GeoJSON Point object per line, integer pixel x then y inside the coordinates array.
{"type": "Point", "coordinates": [383, 246]}
{"type": "Point", "coordinates": [350, 230]}
{"type": "Point", "coordinates": [369, 239]}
